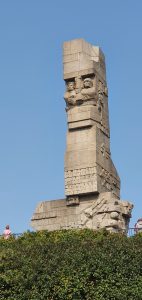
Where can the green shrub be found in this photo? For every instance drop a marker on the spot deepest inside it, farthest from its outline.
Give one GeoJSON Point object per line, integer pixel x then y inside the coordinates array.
{"type": "Point", "coordinates": [73, 264]}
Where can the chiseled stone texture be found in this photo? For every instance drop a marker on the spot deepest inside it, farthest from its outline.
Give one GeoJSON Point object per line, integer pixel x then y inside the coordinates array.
{"type": "Point", "coordinates": [88, 164]}
{"type": "Point", "coordinates": [96, 212]}
{"type": "Point", "coordinates": [92, 184]}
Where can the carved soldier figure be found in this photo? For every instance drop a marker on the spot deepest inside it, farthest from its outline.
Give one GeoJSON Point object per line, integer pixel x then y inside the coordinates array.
{"type": "Point", "coordinates": [88, 91]}
{"type": "Point", "coordinates": [100, 97]}
{"type": "Point", "coordinates": [70, 95]}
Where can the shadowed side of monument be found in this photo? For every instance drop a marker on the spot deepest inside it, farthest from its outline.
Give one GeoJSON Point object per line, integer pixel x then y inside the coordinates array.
{"type": "Point", "coordinates": [92, 184]}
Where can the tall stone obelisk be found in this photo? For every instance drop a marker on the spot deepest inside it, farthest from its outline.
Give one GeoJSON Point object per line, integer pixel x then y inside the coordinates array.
{"type": "Point", "coordinates": [92, 184]}
{"type": "Point", "coordinates": [88, 165]}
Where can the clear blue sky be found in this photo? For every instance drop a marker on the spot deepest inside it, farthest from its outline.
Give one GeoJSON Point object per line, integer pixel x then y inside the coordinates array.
{"type": "Point", "coordinates": [32, 116]}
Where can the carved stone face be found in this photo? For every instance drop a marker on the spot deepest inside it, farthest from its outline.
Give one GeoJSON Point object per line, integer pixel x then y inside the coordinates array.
{"type": "Point", "coordinates": [114, 215]}
{"type": "Point", "coordinates": [70, 86]}
{"type": "Point", "coordinates": [127, 208]}
{"type": "Point", "coordinates": [87, 83]}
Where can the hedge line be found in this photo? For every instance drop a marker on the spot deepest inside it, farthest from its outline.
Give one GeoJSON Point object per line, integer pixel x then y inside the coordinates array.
{"type": "Point", "coordinates": [73, 264]}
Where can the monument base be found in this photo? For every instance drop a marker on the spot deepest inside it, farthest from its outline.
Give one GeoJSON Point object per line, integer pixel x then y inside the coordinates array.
{"type": "Point", "coordinates": [95, 211]}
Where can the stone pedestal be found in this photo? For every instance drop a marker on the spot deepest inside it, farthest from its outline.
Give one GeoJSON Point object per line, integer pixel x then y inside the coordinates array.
{"type": "Point", "coordinates": [92, 184]}
{"type": "Point", "coordinates": [94, 212]}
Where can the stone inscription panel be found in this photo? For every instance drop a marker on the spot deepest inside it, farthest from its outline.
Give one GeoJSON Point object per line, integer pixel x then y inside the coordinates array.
{"type": "Point", "coordinates": [80, 181]}
{"type": "Point", "coordinates": [108, 181]}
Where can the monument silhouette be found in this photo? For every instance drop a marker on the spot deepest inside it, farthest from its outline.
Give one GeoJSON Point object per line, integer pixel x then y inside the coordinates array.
{"type": "Point", "coordinates": [92, 184]}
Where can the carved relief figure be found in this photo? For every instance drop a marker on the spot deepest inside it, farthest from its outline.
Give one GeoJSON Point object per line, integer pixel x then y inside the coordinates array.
{"type": "Point", "coordinates": [108, 214]}
{"type": "Point", "coordinates": [75, 97]}
{"type": "Point", "coordinates": [100, 102]}
{"type": "Point", "coordinates": [88, 92]}
{"type": "Point", "coordinates": [70, 95]}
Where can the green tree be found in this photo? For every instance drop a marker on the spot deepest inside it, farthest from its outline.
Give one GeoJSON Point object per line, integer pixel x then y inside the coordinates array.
{"type": "Point", "coordinates": [71, 265]}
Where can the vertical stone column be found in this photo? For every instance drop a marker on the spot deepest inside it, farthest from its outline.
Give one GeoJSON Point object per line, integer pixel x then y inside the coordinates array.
{"type": "Point", "coordinates": [88, 165]}
{"type": "Point", "coordinates": [92, 185]}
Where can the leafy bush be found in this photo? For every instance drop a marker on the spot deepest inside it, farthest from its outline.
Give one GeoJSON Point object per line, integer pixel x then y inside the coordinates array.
{"type": "Point", "coordinates": [71, 265]}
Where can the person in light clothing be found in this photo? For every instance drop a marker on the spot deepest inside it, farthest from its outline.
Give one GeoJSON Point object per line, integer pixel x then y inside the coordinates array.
{"type": "Point", "coordinates": [138, 226]}
{"type": "Point", "coordinates": [7, 232]}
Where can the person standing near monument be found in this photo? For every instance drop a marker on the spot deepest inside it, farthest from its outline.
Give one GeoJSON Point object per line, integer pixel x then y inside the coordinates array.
{"type": "Point", "coordinates": [7, 232]}
{"type": "Point", "coordinates": [138, 226]}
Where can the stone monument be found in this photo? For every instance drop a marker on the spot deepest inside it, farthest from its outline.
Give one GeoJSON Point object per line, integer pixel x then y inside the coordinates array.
{"type": "Point", "coordinates": [92, 184]}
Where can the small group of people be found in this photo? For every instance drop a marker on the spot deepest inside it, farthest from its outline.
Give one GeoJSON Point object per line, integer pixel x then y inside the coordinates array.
{"type": "Point", "coordinates": [7, 232]}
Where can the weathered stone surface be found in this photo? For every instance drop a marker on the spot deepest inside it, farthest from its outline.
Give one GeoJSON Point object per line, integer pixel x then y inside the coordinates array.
{"type": "Point", "coordinates": [95, 212]}
{"type": "Point", "coordinates": [92, 184]}
{"type": "Point", "coordinates": [88, 164]}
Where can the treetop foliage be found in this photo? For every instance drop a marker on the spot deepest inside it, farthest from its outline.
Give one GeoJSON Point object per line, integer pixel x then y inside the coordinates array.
{"type": "Point", "coordinates": [71, 265]}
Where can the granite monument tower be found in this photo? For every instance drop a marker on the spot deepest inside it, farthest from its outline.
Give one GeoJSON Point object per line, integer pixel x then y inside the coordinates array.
{"type": "Point", "coordinates": [92, 184]}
